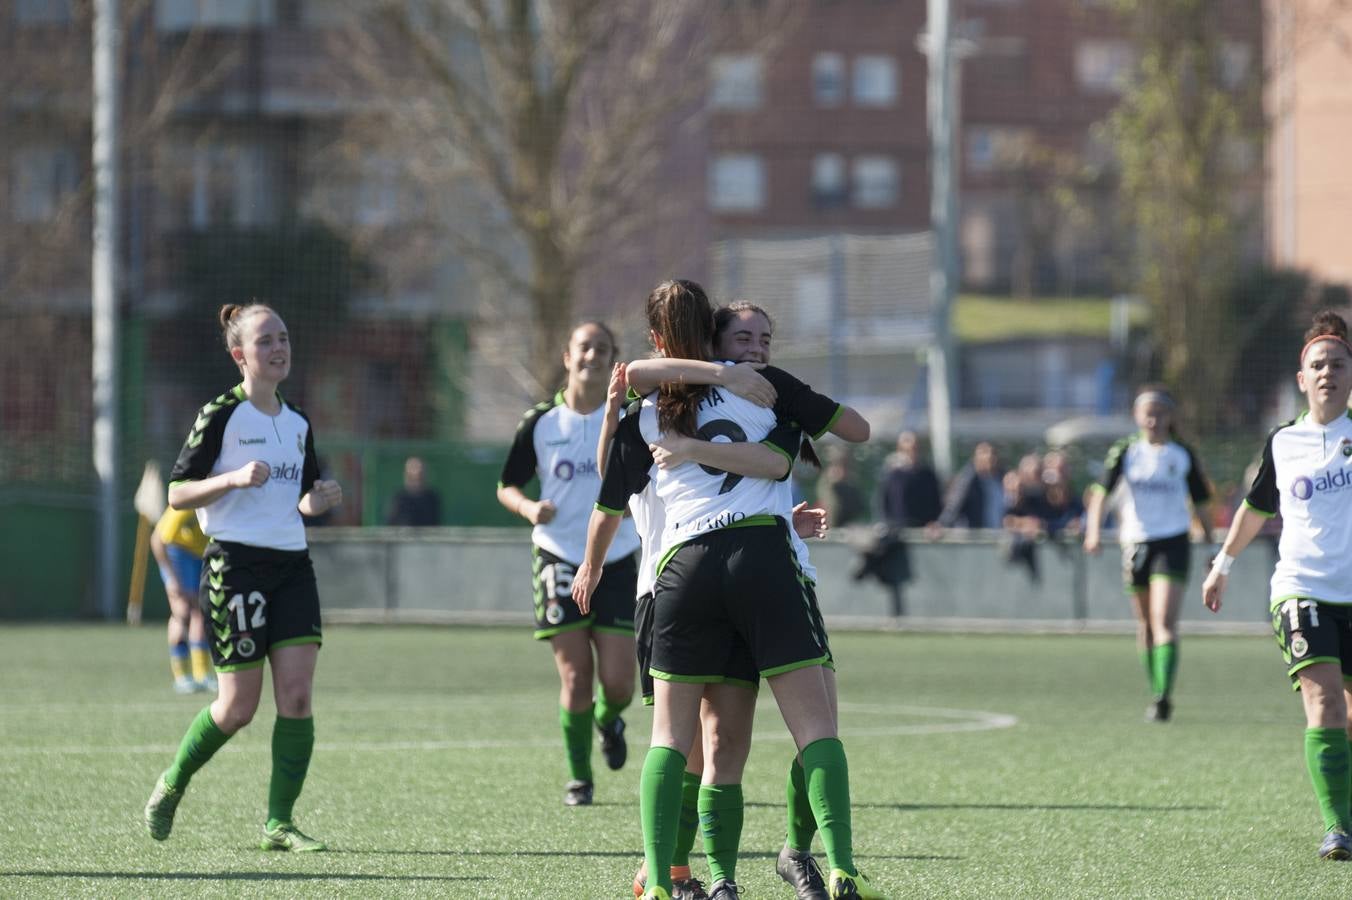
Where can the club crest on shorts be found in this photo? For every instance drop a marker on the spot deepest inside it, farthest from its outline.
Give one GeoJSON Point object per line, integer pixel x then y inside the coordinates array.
{"type": "Point", "coordinates": [554, 613]}
{"type": "Point", "coordinates": [1299, 646]}
{"type": "Point", "coordinates": [246, 646]}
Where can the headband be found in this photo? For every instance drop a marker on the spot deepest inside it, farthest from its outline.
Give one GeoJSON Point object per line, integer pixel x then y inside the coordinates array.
{"type": "Point", "coordinates": [1323, 337]}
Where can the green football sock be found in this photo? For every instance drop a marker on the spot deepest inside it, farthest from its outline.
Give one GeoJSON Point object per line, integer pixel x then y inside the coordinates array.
{"type": "Point", "coordinates": [659, 796]}
{"type": "Point", "coordinates": [827, 775]}
{"type": "Point", "coordinates": [1327, 758]}
{"type": "Point", "coordinates": [199, 744]}
{"type": "Point", "coordinates": [720, 819]}
{"type": "Point", "coordinates": [577, 742]}
{"type": "Point", "coordinates": [293, 742]}
{"type": "Point", "coordinates": [688, 826]}
{"type": "Point", "coordinates": [802, 824]}
{"type": "Point", "coordinates": [1166, 663]}
{"type": "Point", "coordinates": [608, 711]}
{"type": "Point", "coordinates": [1148, 663]}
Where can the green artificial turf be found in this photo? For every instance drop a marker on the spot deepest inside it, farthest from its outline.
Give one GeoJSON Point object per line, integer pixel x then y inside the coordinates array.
{"type": "Point", "coordinates": [982, 766]}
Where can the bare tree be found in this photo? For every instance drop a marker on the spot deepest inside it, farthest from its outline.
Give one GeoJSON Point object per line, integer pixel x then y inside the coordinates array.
{"type": "Point", "coordinates": [549, 121]}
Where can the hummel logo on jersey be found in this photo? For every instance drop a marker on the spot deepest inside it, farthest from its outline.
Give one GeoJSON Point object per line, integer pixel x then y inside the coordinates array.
{"type": "Point", "coordinates": [247, 441]}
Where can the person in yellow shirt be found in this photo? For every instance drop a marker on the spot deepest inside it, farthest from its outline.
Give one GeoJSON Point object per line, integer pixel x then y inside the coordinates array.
{"type": "Point", "coordinates": [178, 544]}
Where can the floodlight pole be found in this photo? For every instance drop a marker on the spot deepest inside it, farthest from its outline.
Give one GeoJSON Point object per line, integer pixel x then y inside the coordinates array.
{"type": "Point", "coordinates": [945, 56]}
{"type": "Point", "coordinates": [104, 375]}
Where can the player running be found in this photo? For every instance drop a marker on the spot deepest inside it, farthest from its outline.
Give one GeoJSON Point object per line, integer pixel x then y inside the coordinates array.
{"type": "Point", "coordinates": [249, 469]}
{"type": "Point", "coordinates": [556, 443]}
{"type": "Point", "coordinates": [1156, 476]}
{"type": "Point", "coordinates": [1305, 474]}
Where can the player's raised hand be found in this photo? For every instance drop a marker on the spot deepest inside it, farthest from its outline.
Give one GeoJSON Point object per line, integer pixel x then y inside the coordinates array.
{"type": "Point", "coordinates": [671, 451]}
{"type": "Point", "coordinates": [745, 380]}
{"type": "Point", "coordinates": [615, 392]}
{"type": "Point", "coordinates": [809, 523]}
{"type": "Point", "coordinates": [252, 474]}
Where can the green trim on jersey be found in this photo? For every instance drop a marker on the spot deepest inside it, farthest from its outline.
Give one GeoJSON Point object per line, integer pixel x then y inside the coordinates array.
{"type": "Point", "coordinates": [789, 667]}
{"type": "Point", "coordinates": [1097, 488]}
{"type": "Point", "coordinates": [782, 452]}
{"type": "Point", "coordinates": [750, 521]}
{"type": "Point", "coordinates": [608, 511]}
{"type": "Point", "coordinates": [1264, 513]}
{"type": "Point", "coordinates": [240, 667]}
{"type": "Point", "coordinates": [1278, 601]}
{"type": "Point", "coordinates": [174, 484]}
{"type": "Point", "coordinates": [303, 639]}
{"type": "Point", "coordinates": [840, 410]}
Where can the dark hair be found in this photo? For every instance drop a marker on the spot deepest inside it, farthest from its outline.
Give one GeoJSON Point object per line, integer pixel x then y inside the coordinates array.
{"type": "Point", "coordinates": [725, 315]}
{"type": "Point", "coordinates": [1327, 323]}
{"type": "Point", "coordinates": [680, 314]}
{"type": "Point", "coordinates": [232, 317]}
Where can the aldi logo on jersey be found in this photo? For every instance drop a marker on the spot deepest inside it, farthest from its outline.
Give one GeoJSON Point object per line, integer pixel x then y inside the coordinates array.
{"type": "Point", "coordinates": [1303, 488]}
{"type": "Point", "coordinates": [566, 469]}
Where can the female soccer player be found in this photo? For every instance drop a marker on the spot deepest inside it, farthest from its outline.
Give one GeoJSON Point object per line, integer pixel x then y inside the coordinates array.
{"type": "Point", "coordinates": [249, 469]}
{"type": "Point", "coordinates": [1305, 473]}
{"type": "Point", "coordinates": [556, 443]}
{"type": "Point", "coordinates": [727, 572]}
{"type": "Point", "coordinates": [178, 544]}
{"type": "Point", "coordinates": [743, 333]}
{"type": "Point", "coordinates": [1158, 475]}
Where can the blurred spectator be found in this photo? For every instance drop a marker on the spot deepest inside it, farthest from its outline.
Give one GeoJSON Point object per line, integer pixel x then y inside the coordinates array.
{"type": "Point", "coordinates": [1024, 516]}
{"type": "Point", "coordinates": [1064, 511]}
{"type": "Point", "coordinates": [1030, 477]}
{"type": "Point", "coordinates": [910, 495]}
{"type": "Point", "coordinates": [844, 502]}
{"type": "Point", "coordinates": [416, 504]}
{"type": "Point", "coordinates": [976, 498]}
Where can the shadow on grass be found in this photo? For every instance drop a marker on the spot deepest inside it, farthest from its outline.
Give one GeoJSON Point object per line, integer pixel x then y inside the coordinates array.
{"type": "Point", "coordinates": [239, 876]}
{"type": "Point", "coordinates": [1025, 807]}
{"type": "Point", "coordinates": [615, 854]}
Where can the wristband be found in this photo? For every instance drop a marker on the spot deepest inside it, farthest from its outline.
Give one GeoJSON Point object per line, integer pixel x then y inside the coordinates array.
{"type": "Point", "coordinates": [1222, 563]}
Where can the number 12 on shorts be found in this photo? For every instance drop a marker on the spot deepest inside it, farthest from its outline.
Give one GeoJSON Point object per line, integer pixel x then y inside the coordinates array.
{"type": "Point", "coordinates": [257, 619]}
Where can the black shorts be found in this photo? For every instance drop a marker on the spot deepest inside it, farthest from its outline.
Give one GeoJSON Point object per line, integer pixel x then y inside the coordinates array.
{"type": "Point", "coordinates": [740, 582]}
{"type": "Point", "coordinates": [1310, 632]}
{"type": "Point", "coordinates": [1169, 558]}
{"type": "Point", "coordinates": [555, 611]}
{"type": "Point", "coordinates": [741, 667]}
{"type": "Point", "coordinates": [819, 623]}
{"type": "Point", "coordinates": [255, 599]}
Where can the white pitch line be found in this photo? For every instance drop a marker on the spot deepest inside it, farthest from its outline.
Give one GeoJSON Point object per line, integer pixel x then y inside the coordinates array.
{"type": "Point", "coordinates": [968, 720]}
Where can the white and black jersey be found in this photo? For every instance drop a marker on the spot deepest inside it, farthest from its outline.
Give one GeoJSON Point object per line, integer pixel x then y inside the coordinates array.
{"type": "Point", "coordinates": [1154, 483]}
{"type": "Point", "coordinates": [1306, 475]}
{"type": "Point", "coordinates": [697, 499]}
{"type": "Point", "coordinates": [229, 433]}
{"type": "Point", "coordinates": [557, 444]}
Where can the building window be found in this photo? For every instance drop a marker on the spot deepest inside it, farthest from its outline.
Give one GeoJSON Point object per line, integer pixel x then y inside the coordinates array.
{"type": "Point", "coordinates": [994, 147]}
{"type": "Point", "coordinates": [875, 182]}
{"type": "Point", "coordinates": [41, 177]}
{"type": "Point", "coordinates": [737, 183]}
{"type": "Point", "coordinates": [1103, 67]}
{"type": "Point", "coordinates": [184, 15]}
{"type": "Point", "coordinates": [830, 186]}
{"type": "Point", "coordinates": [875, 81]}
{"type": "Point", "coordinates": [1235, 59]}
{"type": "Point", "coordinates": [828, 79]}
{"type": "Point", "coordinates": [43, 12]}
{"type": "Point", "coordinates": [736, 82]}
{"type": "Point", "coordinates": [217, 183]}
